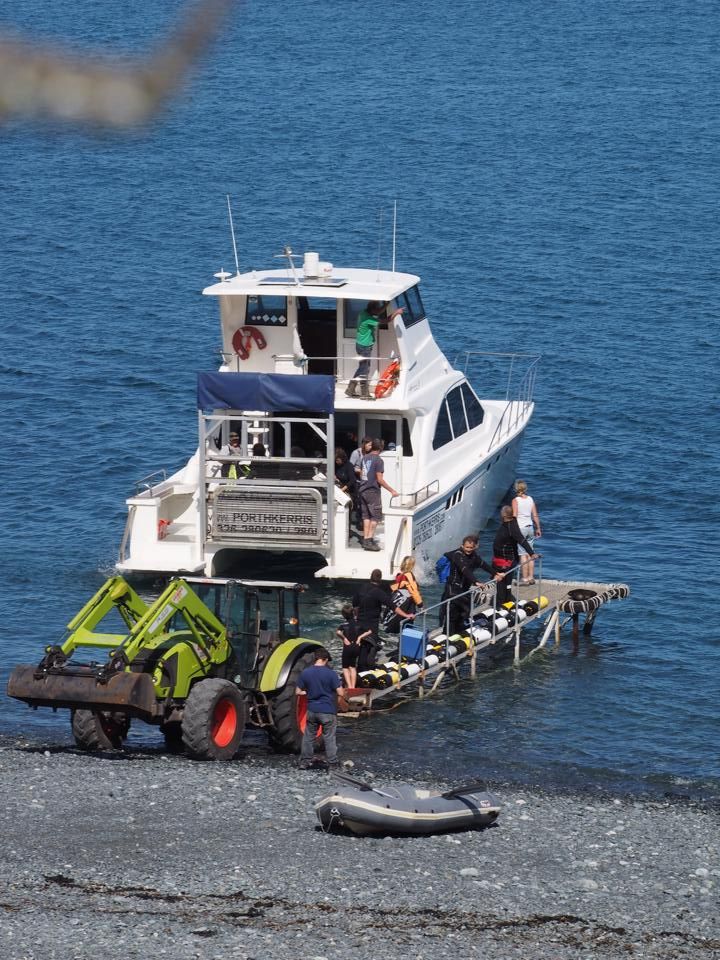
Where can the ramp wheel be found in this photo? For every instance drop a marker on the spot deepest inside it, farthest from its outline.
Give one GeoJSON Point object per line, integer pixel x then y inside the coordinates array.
{"type": "Point", "coordinates": [98, 730]}
{"type": "Point", "coordinates": [213, 720]}
{"type": "Point", "coordinates": [289, 711]}
{"type": "Point", "coordinates": [172, 732]}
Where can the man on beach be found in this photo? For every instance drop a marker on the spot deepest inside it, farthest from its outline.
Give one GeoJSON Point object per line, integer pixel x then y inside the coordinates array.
{"type": "Point", "coordinates": [321, 686]}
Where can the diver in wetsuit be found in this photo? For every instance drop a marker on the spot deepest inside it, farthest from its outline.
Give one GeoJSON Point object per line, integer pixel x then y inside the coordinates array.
{"type": "Point", "coordinates": [505, 553]}
{"type": "Point", "coordinates": [463, 563]}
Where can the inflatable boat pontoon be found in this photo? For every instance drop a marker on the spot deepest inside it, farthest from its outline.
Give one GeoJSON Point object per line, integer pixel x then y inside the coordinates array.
{"type": "Point", "coordinates": [402, 808]}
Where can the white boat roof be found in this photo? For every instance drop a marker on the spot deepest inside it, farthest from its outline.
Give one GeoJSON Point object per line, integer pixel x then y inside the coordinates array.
{"type": "Point", "coordinates": [345, 283]}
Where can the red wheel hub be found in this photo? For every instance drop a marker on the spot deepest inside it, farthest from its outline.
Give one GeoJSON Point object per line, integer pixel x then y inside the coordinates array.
{"type": "Point", "coordinates": [301, 713]}
{"type": "Point", "coordinates": [224, 722]}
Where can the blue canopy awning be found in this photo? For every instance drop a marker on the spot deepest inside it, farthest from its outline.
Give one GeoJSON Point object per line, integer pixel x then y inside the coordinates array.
{"type": "Point", "coordinates": [266, 391]}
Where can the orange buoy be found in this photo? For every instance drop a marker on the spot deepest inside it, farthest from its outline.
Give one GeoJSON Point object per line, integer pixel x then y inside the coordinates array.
{"type": "Point", "coordinates": [388, 379]}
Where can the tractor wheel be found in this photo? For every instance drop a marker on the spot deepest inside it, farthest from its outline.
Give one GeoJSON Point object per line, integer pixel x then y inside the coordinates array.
{"type": "Point", "coordinates": [289, 710]}
{"type": "Point", "coordinates": [99, 730]}
{"type": "Point", "coordinates": [213, 720]}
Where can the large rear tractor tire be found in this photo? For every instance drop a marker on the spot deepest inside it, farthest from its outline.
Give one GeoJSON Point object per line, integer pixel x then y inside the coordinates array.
{"type": "Point", "coordinates": [213, 720]}
{"type": "Point", "coordinates": [289, 710]}
{"type": "Point", "coordinates": [99, 730]}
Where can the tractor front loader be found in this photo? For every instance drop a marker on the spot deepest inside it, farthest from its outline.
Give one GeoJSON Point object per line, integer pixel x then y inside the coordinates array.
{"type": "Point", "coordinates": [197, 674]}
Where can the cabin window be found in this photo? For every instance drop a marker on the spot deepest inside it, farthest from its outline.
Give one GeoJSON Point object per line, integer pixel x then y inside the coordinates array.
{"type": "Point", "coordinates": [351, 311]}
{"type": "Point", "coordinates": [387, 431]}
{"type": "Point", "coordinates": [266, 311]}
{"type": "Point", "coordinates": [443, 433]}
{"type": "Point", "coordinates": [353, 308]}
{"type": "Point", "coordinates": [415, 310]}
{"type": "Point", "coordinates": [457, 412]}
{"type": "Point", "coordinates": [473, 407]}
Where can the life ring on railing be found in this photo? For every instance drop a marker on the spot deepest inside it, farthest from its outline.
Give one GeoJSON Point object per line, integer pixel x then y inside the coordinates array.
{"type": "Point", "coordinates": [388, 379]}
{"type": "Point", "coordinates": [243, 340]}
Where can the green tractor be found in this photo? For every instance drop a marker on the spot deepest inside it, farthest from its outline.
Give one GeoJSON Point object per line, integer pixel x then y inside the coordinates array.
{"type": "Point", "coordinates": [207, 658]}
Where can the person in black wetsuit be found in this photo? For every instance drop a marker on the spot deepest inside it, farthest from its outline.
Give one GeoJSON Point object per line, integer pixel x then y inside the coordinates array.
{"type": "Point", "coordinates": [370, 600]}
{"type": "Point", "coordinates": [346, 478]}
{"type": "Point", "coordinates": [505, 553]}
{"type": "Point", "coordinates": [463, 563]}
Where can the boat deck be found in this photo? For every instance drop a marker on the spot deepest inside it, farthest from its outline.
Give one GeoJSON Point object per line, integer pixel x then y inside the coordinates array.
{"type": "Point", "coordinates": [557, 603]}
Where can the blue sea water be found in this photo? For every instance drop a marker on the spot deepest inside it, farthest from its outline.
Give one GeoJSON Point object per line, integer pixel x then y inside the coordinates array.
{"type": "Point", "coordinates": [556, 172]}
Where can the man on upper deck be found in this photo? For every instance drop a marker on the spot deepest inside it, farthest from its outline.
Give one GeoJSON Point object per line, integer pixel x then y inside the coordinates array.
{"type": "Point", "coordinates": [368, 322]}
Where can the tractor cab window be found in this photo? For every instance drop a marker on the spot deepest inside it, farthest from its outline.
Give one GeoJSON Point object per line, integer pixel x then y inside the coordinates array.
{"type": "Point", "coordinates": [243, 626]}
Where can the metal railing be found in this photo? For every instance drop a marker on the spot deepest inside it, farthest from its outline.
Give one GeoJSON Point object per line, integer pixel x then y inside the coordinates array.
{"type": "Point", "coordinates": [144, 484]}
{"type": "Point", "coordinates": [409, 500]}
{"type": "Point", "coordinates": [377, 364]}
{"type": "Point", "coordinates": [122, 550]}
{"type": "Point", "coordinates": [532, 360]}
{"type": "Point", "coordinates": [439, 615]}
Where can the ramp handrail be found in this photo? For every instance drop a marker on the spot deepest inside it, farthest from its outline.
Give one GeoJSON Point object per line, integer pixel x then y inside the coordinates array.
{"type": "Point", "coordinates": [479, 597]}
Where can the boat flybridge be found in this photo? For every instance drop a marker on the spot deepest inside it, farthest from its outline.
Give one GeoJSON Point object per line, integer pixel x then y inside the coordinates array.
{"type": "Point", "coordinates": [288, 358]}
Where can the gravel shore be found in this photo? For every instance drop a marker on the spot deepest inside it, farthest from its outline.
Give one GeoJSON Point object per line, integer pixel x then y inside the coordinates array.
{"type": "Point", "coordinates": [140, 854]}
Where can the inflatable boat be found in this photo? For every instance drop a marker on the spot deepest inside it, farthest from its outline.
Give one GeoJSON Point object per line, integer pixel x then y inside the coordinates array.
{"type": "Point", "coordinates": [365, 809]}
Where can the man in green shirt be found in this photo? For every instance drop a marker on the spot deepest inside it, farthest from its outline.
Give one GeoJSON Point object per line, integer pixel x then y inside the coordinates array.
{"type": "Point", "coordinates": [369, 320]}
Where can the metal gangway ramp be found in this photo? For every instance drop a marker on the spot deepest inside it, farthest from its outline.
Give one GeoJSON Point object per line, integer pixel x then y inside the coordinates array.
{"type": "Point", "coordinates": [548, 606]}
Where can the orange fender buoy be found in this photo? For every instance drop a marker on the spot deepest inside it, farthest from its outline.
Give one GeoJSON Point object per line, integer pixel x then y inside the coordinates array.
{"type": "Point", "coordinates": [388, 379]}
{"type": "Point", "coordinates": [244, 338]}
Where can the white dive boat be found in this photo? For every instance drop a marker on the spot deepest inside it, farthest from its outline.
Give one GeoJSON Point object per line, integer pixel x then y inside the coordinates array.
{"type": "Point", "coordinates": [288, 348]}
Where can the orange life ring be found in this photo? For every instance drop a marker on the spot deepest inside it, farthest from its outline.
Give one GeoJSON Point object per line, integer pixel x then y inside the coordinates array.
{"type": "Point", "coordinates": [388, 379]}
{"type": "Point", "coordinates": [243, 339]}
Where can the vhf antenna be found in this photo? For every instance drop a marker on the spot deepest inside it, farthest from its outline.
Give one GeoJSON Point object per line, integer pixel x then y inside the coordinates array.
{"type": "Point", "coordinates": [394, 233]}
{"type": "Point", "coordinates": [379, 249]}
{"type": "Point", "coordinates": [232, 233]}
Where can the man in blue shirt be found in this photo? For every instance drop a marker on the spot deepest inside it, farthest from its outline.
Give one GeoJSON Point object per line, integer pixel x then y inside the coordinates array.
{"type": "Point", "coordinates": [321, 685]}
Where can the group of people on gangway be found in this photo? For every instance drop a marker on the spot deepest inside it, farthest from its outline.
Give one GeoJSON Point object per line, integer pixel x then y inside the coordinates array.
{"type": "Point", "coordinates": [376, 602]}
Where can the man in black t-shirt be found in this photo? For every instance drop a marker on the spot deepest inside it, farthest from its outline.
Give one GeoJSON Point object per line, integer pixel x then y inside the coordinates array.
{"type": "Point", "coordinates": [370, 599]}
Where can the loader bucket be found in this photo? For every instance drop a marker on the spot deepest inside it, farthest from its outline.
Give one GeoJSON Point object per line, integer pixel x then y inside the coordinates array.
{"type": "Point", "coordinates": [129, 693]}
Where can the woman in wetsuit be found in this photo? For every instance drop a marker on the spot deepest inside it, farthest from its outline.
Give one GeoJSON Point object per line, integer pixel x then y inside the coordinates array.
{"type": "Point", "coordinates": [505, 552]}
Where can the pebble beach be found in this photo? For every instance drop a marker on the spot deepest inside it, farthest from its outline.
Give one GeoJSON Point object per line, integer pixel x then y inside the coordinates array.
{"type": "Point", "coordinates": [139, 854]}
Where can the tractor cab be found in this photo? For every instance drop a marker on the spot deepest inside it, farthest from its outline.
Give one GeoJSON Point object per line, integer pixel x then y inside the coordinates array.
{"type": "Point", "coordinates": [258, 615]}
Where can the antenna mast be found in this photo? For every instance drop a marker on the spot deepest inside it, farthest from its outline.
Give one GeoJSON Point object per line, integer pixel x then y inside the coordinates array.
{"type": "Point", "coordinates": [232, 233]}
{"type": "Point", "coordinates": [379, 250]}
{"type": "Point", "coordinates": [394, 232]}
